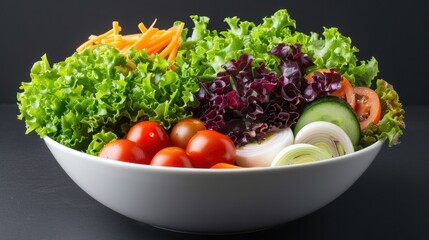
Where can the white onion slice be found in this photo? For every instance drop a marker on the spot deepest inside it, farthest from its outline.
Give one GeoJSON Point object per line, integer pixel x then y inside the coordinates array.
{"type": "Point", "coordinates": [299, 153]}
{"type": "Point", "coordinates": [262, 154]}
{"type": "Point", "coordinates": [327, 136]}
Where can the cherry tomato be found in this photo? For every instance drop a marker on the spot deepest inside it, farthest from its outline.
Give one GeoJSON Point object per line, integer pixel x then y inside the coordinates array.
{"type": "Point", "coordinates": [368, 108]}
{"type": "Point", "coordinates": [124, 150]}
{"type": "Point", "coordinates": [224, 165]}
{"type": "Point", "coordinates": [208, 147]}
{"type": "Point", "coordinates": [184, 130]}
{"type": "Point", "coordinates": [345, 92]}
{"type": "Point", "coordinates": [171, 157]}
{"type": "Point", "coordinates": [150, 136]}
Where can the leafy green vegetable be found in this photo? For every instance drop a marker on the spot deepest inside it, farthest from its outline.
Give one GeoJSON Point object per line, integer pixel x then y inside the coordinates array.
{"type": "Point", "coordinates": [159, 94]}
{"type": "Point", "coordinates": [99, 140]}
{"type": "Point", "coordinates": [94, 96]}
{"type": "Point", "coordinates": [335, 50]}
{"type": "Point", "coordinates": [390, 102]}
{"type": "Point", "coordinates": [390, 129]}
{"type": "Point", "coordinates": [75, 98]}
{"type": "Point", "coordinates": [206, 51]}
{"type": "Point", "coordinates": [392, 123]}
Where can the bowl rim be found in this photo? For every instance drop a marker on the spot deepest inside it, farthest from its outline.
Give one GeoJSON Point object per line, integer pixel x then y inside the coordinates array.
{"type": "Point", "coordinates": [135, 166]}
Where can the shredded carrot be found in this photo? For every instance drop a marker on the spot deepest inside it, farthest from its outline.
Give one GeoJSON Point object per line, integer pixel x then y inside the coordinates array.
{"type": "Point", "coordinates": [121, 45]}
{"type": "Point", "coordinates": [116, 30]}
{"type": "Point", "coordinates": [142, 27]}
{"type": "Point", "coordinates": [91, 41]}
{"type": "Point", "coordinates": [154, 45]}
{"type": "Point", "coordinates": [162, 37]}
{"type": "Point", "coordinates": [164, 42]}
{"type": "Point", "coordinates": [157, 46]}
{"type": "Point", "coordinates": [173, 42]}
{"type": "Point", "coordinates": [172, 54]}
{"type": "Point", "coordinates": [140, 44]}
{"type": "Point", "coordinates": [143, 38]}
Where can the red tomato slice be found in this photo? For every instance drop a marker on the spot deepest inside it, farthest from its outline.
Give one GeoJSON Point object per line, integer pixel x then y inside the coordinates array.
{"type": "Point", "coordinates": [368, 108]}
{"type": "Point", "coordinates": [346, 92]}
{"type": "Point", "coordinates": [208, 147]}
{"type": "Point", "coordinates": [125, 151]}
{"type": "Point", "coordinates": [171, 157]}
{"type": "Point", "coordinates": [150, 136]}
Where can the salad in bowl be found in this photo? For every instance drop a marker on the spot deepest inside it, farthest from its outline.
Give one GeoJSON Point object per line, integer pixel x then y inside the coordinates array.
{"type": "Point", "coordinates": [261, 101]}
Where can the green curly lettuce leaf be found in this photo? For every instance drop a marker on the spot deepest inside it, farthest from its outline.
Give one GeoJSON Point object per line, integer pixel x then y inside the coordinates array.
{"type": "Point", "coordinates": [204, 53]}
{"type": "Point", "coordinates": [93, 96]}
{"type": "Point", "coordinates": [99, 140]}
{"type": "Point", "coordinates": [335, 50]}
{"type": "Point", "coordinates": [75, 98]}
{"type": "Point", "coordinates": [390, 102]}
{"type": "Point", "coordinates": [159, 94]}
{"type": "Point", "coordinates": [392, 123]}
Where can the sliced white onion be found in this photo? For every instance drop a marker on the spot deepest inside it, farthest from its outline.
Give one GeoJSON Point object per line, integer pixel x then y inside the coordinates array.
{"type": "Point", "coordinates": [299, 153]}
{"type": "Point", "coordinates": [327, 136]}
{"type": "Point", "coordinates": [262, 154]}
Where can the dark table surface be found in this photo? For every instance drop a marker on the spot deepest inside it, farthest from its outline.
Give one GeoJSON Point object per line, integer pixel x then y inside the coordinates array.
{"type": "Point", "coordinates": [39, 201]}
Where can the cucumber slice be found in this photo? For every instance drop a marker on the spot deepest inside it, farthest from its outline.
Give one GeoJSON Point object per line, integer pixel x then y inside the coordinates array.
{"type": "Point", "coordinates": [334, 110]}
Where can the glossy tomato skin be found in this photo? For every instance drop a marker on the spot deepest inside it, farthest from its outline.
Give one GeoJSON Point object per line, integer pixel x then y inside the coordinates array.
{"type": "Point", "coordinates": [368, 107]}
{"type": "Point", "coordinates": [208, 147]}
{"type": "Point", "coordinates": [124, 150]}
{"type": "Point", "coordinates": [171, 157]}
{"type": "Point", "coordinates": [150, 136]}
{"type": "Point", "coordinates": [183, 131]}
{"type": "Point", "coordinates": [346, 93]}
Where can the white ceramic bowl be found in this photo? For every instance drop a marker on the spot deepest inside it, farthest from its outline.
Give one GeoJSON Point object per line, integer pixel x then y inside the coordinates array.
{"type": "Point", "coordinates": [213, 201]}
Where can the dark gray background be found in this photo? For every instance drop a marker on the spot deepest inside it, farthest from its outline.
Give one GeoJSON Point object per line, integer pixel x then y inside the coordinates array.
{"type": "Point", "coordinates": [392, 31]}
{"type": "Point", "coordinates": [389, 201]}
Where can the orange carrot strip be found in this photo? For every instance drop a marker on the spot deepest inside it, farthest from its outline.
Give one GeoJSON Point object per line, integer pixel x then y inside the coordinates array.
{"type": "Point", "coordinates": [159, 33]}
{"type": "Point", "coordinates": [91, 41]}
{"type": "Point", "coordinates": [159, 42]}
{"type": "Point", "coordinates": [116, 30]}
{"type": "Point", "coordinates": [171, 45]}
{"type": "Point", "coordinates": [155, 46]}
{"type": "Point", "coordinates": [121, 45]}
{"type": "Point", "coordinates": [147, 35]}
{"type": "Point", "coordinates": [132, 36]}
{"type": "Point", "coordinates": [110, 40]}
{"type": "Point", "coordinates": [107, 38]}
{"type": "Point", "coordinates": [173, 53]}
{"type": "Point", "coordinates": [142, 27]}
{"type": "Point", "coordinates": [158, 46]}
